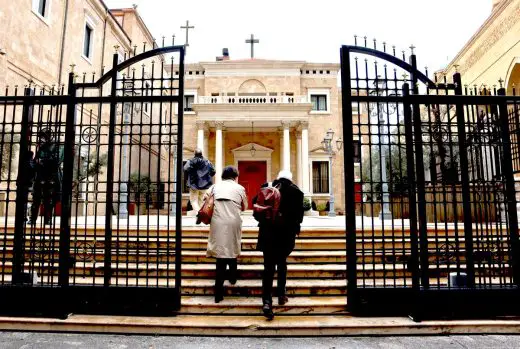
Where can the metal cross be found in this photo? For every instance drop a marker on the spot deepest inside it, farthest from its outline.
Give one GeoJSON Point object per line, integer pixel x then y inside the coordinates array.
{"type": "Point", "coordinates": [187, 27]}
{"type": "Point", "coordinates": [252, 41]}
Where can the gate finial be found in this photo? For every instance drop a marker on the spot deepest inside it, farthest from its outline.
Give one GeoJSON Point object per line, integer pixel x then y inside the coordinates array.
{"type": "Point", "coordinates": [384, 46]}
{"type": "Point", "coordinates": [500, 81]}
{"type": "Point", "coordinates": [412, 48]}
{"type": "Point", "coordinates": [72, 67]}
{"type": "Point", "coordinates": [355, 40]}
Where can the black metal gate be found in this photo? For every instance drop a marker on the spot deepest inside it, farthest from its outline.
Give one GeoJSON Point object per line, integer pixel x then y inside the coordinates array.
{"type": "Point", "coordinates": [91, 190]}
{"type": "Point", "coordinates": [436, 231]}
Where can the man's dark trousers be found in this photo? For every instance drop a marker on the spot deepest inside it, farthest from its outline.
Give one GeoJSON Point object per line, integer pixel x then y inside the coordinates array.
{"type": "Point", "coordinates": [274, 260]}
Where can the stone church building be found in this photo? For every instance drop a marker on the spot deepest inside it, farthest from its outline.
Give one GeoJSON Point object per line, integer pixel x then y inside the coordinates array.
{"type": "Point", "coordinates": [263, 116]}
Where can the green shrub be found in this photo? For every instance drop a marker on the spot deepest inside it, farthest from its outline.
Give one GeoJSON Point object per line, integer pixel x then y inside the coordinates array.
{"type": "Point", "coordinates": [321, 206]}
{"type": "Point", "coordinates": [306, 204]}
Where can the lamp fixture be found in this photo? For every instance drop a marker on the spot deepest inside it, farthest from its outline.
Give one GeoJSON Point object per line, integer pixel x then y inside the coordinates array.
{"type": "Point", "coordinates": [253, 149]}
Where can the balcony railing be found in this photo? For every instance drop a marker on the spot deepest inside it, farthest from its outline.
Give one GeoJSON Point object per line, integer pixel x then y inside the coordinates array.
{"type": "Point", "coordinates": [252, 99]}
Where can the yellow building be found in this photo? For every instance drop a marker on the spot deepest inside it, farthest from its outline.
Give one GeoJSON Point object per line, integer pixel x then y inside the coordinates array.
{"type": "Point", "coordinates": [264, 116]}
{"type": "Point", "coordinates": [493, 53]}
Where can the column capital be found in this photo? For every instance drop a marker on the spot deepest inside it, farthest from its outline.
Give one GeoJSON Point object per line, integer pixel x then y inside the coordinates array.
{"type": "Point", "coordinates": [201, 124]}
{"type": "Point", "coordinates": [286, 124]}
{"type": "Point", "coordinates": [304, 125]}
{"type": "Point", "coordinates": [219, 125]}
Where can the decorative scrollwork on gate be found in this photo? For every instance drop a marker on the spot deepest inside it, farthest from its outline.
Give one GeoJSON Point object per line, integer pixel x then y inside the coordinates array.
{"type": "Point", "coordinates": [85, 251]}
{"type": "Point", "coordinates": [89, 135]}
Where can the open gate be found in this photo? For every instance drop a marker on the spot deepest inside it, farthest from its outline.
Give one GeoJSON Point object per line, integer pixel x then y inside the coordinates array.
{"type": "Point", "coordinates": [437, 231]}
{"type": "Point", "coordinates": [91, 190]}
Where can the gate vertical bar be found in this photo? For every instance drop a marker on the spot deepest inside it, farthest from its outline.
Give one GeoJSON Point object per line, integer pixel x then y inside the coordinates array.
{"type": "Point", "coordinates": [421, 181]}
{"type": "Point", "coordinates": [507, 167]}
{"type": "Point", "coordinates": [66, 198]}
{"type": "Point", "coordinates": [110, 174]}
{"type": "Point", "coordinates": [410, 168]}
{"type": "Point", "coordinates": [22, 194]}
{"type": "Point", "coordinates": [466, 197]}
{"type": "Point", "coordinates": [178, 184]}
{"type": "Point", "coordinates": [348, 160]}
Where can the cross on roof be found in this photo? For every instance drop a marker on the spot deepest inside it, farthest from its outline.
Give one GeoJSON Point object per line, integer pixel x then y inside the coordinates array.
{"type": "Point", "coordinates": [187, 27]}
{"type": "Point", "coordinates": [252, 41]}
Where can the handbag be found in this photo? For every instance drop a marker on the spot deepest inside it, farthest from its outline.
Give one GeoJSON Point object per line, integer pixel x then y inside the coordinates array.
{"type": "Point", "coordinates": [206, 211]}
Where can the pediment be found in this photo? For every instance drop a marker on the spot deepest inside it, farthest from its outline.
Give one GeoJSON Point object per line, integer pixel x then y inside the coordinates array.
{"type": "Point", "coordinates": [318, 151]}
{"type": "Point", "coordinates": [247, 148]}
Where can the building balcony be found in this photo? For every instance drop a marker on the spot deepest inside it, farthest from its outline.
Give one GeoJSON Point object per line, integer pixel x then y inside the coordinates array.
{"type": "Point", "coordinates": [275, 107]}
{"type": "Point", "coordinates": [252, 100]}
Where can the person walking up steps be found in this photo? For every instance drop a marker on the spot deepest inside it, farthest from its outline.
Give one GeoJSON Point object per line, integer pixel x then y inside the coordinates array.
{"type": "Point", "coordinates": [199, 172]}
{"type": "Point", "coordinates": [277, 236]}
{"type": "Point", "coordinates": [225, 234]}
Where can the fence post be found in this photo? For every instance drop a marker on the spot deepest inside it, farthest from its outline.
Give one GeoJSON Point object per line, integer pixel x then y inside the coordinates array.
{"type": "Point", "coordinates": [410, 169]}
{"type": "Point", "coordinates": [66, 194]}
{"type": "Point", "coordinates": [466, 197]}
{"type": "Point", "coordinates": [421, 181]}
{"type": "Point", "coordinates": [178, 185]}
{"type": "Point", "coordinates": [22, 194]}
{"type": "Point", "coordinates": [110, 174]}
{"type": "Point", "coordinates": [348, 161]}
{"type": "Point", "coordinates": [510, 191]}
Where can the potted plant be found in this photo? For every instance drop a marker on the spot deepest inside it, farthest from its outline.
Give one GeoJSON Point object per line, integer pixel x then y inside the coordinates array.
{"type": "Point", "coordinates": [140, 188]}
{"type": "Point", "coordinates": [322, 208]}
{"type": "Point", "coordinates": [308, 207]}
{"type": "Point", "coordinates": [91, 167]}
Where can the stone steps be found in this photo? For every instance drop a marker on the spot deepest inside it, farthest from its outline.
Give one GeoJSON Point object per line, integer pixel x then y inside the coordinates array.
{"type": "Point", "coordinates": [250, 305]}
{"type": "Point", "coordinates": [257, 326]}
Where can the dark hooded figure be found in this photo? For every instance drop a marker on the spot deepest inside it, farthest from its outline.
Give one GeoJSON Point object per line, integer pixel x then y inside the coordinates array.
{"type": "Point", "coordinates": [277, 241]}
{"type": "Point", "coordinates": [47, 182]}
{"type": "Point", "coordinates": [199, 172]}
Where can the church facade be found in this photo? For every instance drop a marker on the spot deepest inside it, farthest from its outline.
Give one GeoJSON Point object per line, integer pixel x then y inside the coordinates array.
{"type": "Point", "coordinates": [263, 116]}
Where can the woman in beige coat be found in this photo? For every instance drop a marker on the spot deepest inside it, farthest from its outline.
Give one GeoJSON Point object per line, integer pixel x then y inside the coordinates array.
{"type": "Point", "coordinates": [225, 234]}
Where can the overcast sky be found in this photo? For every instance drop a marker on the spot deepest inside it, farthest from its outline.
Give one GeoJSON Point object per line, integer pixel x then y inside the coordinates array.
{"type": "Point", "coordinates": [313, 31]}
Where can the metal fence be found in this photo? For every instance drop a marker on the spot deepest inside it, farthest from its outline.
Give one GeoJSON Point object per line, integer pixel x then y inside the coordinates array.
{"type": "Point", "coordinates": [89, 189]}
{"type": "Point", "coordinates": [437, 163]}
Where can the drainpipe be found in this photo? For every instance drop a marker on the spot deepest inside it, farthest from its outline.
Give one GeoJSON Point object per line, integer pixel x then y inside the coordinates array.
{"type": "Point", "coordinates": [63, 35]}
{"type": "Point", "coordinates": [104, 39]}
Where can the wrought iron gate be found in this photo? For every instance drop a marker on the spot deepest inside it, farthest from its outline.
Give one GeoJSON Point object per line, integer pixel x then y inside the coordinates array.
{"type": "Point", "coordinates": [437, 230]}
{"type": "Point", "coordinates": [91, 190]}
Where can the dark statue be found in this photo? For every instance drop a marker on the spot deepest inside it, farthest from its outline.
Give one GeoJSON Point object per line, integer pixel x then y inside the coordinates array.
{"type": "Point", "coordinates": [47, 177]}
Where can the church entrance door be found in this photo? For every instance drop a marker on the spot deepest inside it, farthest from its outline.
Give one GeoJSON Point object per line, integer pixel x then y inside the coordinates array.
{"type": "Point", "coordinates": [252, 175]}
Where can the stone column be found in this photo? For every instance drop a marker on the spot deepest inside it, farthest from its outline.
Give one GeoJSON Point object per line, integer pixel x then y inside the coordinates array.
{"type": "Point", "coordinates": [218, 151]}
{"type": "Point", "coordinates": [200, 136]}
{"type": "Point", "coordinates": [305, 158]}
{"type": "Point", "coordinates": [299, 159]}
{"type": "Point", "coordinates": [286, 146]}
{"type": "Point", "coordinates": [281, 149]}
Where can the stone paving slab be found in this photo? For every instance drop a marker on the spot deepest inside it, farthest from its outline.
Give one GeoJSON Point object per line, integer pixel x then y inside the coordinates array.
{"type": "Point", "coordinates": [25, 340]}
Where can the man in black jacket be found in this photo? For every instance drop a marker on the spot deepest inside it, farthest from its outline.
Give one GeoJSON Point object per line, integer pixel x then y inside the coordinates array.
{"type": "Point", "coordinates": [199, 172]}
{"type": "Point", "coordinates": [277, 240]}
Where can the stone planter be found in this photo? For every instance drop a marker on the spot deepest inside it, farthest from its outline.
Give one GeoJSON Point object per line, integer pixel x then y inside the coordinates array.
{"type": "Point", "coordinates": [324, 213]}
{"type": "Point", "coordinates": [311, 213]}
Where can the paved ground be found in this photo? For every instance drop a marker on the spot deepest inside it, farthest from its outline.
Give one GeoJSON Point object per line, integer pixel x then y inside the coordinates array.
{"type": "Point", "coordinates": [58, 341]}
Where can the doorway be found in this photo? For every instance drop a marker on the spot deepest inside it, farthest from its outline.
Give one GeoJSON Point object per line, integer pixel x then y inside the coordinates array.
{"type": "Point", "coordinates": [252, 175]}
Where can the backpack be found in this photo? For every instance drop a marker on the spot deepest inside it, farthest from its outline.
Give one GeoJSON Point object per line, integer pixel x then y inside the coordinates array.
{"type": "Point", "coordinates": [267, 206]}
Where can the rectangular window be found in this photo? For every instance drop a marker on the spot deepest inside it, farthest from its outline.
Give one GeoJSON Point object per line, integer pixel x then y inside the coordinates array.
{"type": "Point", "coordinates": [319, 102]}
{"type": "Point", "coordinates": [320, 177]}
{"type": "Point", "coordinates": [188, 102]}
{"type": "Point", "coordinates": [87, 44]}
{"type": "Point", "coordinates": [357, 151]}
{"type": "Point", "coordinates": [41, 7]}
{"type": "Point", "coordinates": [146, 106]}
